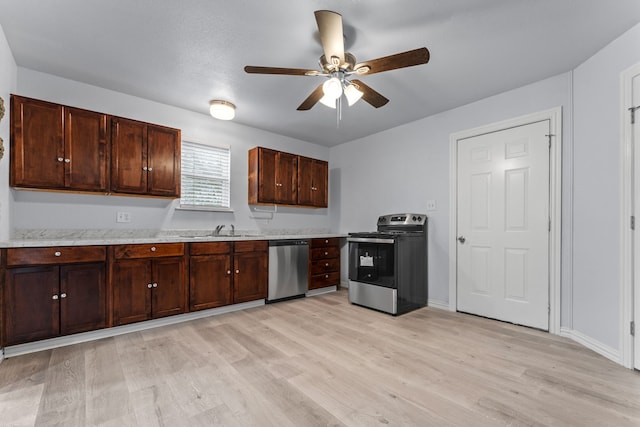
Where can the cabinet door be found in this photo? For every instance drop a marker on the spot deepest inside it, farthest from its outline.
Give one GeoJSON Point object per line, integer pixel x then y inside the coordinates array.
{"type": "Point", "coordinates": [209, 281]}
{"type": "Point", "coordinates": [266, 175]}
{"type": "Point", "coordinates": [128, 156]}
{"type": "Point", "coordinates": [320, 184]}
{"type": "Point", "coordinates": [251, 276]}
{"type": "Point", "coordinates": [82, 298]}
{"type": "Point", "coordinates": [131, 291]}
{"type": "Point", "coordinates": [164, 161]}
{"type": "Point", "coordinates": [86, 153]}
{"type": "Point", "coordinates": [287, 179]}
{"type": "Point", "coordinates": [37, 149]}
{"type": "Point", "coordinates": [168, 296]}
{"type": "Point", "coordinates": [305, 181]}
{"type": "Point", "coordinates": [31, 304]}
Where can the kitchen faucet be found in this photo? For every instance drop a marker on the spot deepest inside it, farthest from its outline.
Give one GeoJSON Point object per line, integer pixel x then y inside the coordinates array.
{"type": "Point", "coordinates": [218, 228]}
{"type": "Point", "coordinates": [233, 230]}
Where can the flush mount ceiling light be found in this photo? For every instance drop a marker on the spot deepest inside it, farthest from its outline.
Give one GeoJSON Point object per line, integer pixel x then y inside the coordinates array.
{"type": "Point", "coordinates": [222, 110]}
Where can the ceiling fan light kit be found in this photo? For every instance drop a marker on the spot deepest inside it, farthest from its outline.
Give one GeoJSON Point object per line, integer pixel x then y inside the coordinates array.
{"type": "Point", "coordinates": [337, 66]}
{"type": "Point", "coordinates": [222, 110]}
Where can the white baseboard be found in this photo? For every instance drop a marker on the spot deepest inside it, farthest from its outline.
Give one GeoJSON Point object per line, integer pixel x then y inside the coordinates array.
{"type": "Point", "coordinates": [438, 304]}
{"type": "Point", "coordinates": [33, 347]}
{"type": "Point", "coordinates": [600, 348]}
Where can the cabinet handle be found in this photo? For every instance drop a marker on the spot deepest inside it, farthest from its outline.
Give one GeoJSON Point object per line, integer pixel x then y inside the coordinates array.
{"type": "Point", "coordinates": [67, 160]}
{"type": "Point", "coordinates": [155, 285]}
{"type": "Point", "coordinates": [326, 276]}
{"type": "Point", "coordinates": [237, 271]}
{"type": "Point", "coordinates": [150, 169]}
{"type": "Point", "coordinates": [60, 159]}
{"type": "Point", "coordinates": [228, 271]}
{"type": "Point", "coordinates": [153, 248]}
{"type": "Point", "coordinates": [326, 253]}
{"type": "Point", "coordinates": [326, 241]}
{"type": "Point", "coordinates": [149, 285]}
{"type": "Point", "coordinates": [63, 295]}
{"type": "Point", "coordinates": [278, 184]}
{"type": "Point", "coordinates": [145, 168]}
{"type": "Point", "coordinates": [57, 253]}
{"type": "Point", "coordinates": [326, 265]}
{"type": "Point", "coordinates": [54, 297]}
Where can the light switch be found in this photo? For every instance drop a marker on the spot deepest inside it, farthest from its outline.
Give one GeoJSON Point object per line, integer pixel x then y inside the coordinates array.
{"type": "Point", "coordinates": [123, 217]}
{"type": "Point", "coordinates": [431, 205]}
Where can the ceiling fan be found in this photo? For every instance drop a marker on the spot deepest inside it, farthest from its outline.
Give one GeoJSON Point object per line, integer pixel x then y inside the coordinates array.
{"type": "Point", "coordinates": [339, 66]}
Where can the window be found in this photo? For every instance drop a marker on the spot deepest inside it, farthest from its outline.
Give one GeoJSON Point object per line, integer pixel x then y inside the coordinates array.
{"type": "Point", "coordinates": [206, 178]}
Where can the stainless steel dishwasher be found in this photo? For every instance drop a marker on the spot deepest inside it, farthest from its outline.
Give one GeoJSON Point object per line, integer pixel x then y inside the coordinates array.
{"type": "Point", "coordinates": [288, 269]}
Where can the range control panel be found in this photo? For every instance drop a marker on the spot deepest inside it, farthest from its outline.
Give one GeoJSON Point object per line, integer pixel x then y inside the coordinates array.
{"type": "Point", "coordinates": [402, 219]}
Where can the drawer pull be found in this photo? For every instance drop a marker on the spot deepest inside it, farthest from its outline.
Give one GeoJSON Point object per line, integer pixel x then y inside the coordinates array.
{"type": "Point", "coordinates": [67, 160]}
{"type": "Point", "coordinates": [153, 248]}
{"type": "Point", "coordinates": [63, 295]}
{"type": "Point", "coordinates": [326, 241]}
{"type": "Point", "coordinates": [145, 168]}
{"type": "Point", "coordinates": [150, 169]}
{"type": "Point", "coordinates": [228, 271]}
{"type": "Point", "coordinates": [237, 271]}
{"type": "Point", "coordinates": [326, 276]}
{"type": "Point", "coordinates": [326, 253]}
{"type": "Point", "coordinates": [60, 159]}
{"type": "Point", "coordinates": [54, 297]}
{"type": "Point", "coordinates": [149, 285]}
{"type": "Point", "coordinates": [326, 265]}
{"type": "Point", "coordinates": [155, 285]}
{"type": "Point", "coordinates": [57, 253]}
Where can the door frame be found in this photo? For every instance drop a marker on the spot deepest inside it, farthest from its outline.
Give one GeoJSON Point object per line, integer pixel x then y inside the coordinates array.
{"type": "Point", "coordinates": [629, 265]}
{"type": "Point", "coordinates": [554, 116]}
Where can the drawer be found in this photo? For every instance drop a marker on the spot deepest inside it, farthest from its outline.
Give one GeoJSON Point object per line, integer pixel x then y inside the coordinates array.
{"type": "Point", "coordinates": [322, 253]}
{"type": "Point", "coordinates": [149, 250]}
{"type": "Point", "coordinates": [210, 248]}
{"type": "Point", "coordinates": [55, 255]}
{"type": "Point", "coordinates": [251, 246]}
{"type": "Point", "coordinates": [322, 242]}
{"type": "Point", "coordinates": [325, 266]}
{"type": "Point", "coordinates": [324, 280]}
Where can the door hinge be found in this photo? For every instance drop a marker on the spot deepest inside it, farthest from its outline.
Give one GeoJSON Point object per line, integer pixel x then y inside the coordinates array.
{"type": "Point", "coordinates": [633, 328]}
{"type": "Point", "coordinates": [633, 222]}
{"type": "Point", "coordinates": [549, 135]}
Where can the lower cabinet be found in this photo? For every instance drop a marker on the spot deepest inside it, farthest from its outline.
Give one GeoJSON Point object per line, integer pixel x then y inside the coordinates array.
{"type": "Point", "coordinates": [44, 297]}
{"type": "Point", "coordinates": [324, 263]}
{"type": "Point", "coordinates": [223, 273]}
{"type": "Point", "coordinates": [148, 281]}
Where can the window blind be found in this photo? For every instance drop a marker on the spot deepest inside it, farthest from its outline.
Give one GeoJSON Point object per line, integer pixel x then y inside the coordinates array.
{"type": "Point", "coordinates": [206, 181]}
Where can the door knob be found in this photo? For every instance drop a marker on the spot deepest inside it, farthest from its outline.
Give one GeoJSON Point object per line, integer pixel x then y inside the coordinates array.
{"type": "Point", "coordinates": [462, 239]}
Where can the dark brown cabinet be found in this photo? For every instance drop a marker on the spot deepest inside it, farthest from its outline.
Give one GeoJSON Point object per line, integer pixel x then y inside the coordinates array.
{"type": "Point", "coordinates": [251, 270]}
{"type": "Point", "coordinates": [58, 147]}
{"type": "Point", "coordinates": [324, 263]}
{"type": "Point", "coordinates": [148, 281]}
{"type": "Point", "coordinates": [145, 158]}
{"type": "Point", "coordinates": [273, 177]}
{"type": "Point", "coordinates": [210, 275]}
{"type": "Point", "coordinates": [223, 273]}
{"type": "Point", "coordinates": [313, 178]}
{"type": "Point", "coordinates": [53, 291]}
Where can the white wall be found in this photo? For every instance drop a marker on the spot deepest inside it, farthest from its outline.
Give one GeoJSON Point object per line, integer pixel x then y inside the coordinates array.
{"type": "Point", "coordinates": [400, 169]}
{"type": "Point", "coordinates": [41, 210]}
{"type": "Point", "coordinates": [8, 81]}
{"type": "Point", "coordinates": [597, 184]}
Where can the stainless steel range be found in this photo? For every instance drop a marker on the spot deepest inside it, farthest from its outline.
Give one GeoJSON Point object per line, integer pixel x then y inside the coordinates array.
{"type": "Point", "coordinates": [388, 267]}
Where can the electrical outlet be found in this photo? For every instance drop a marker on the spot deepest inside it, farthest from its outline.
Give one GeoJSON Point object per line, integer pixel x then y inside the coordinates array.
{"type": "Point", "coordinates": [123, 217]}
{"type": "Point", "coordinates": [431, 205]}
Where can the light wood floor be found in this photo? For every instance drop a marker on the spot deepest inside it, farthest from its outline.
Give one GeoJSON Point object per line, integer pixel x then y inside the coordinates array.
{"type": "Point", "coordinates": [320, 361]}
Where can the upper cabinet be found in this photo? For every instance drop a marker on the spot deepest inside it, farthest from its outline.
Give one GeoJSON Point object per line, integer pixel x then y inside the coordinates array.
{"type": "Point", "coordinates": [145, 158]}
{"type": "Point", "coordinates": [272, 177]}
{"type": "Point", "coordinates": [282, 178]}
{"type": "Point", "coordinates": [58, 147]}
{"type": "Point", "coordinates": [313, 178]}
{"type": "Point", "coordinates": [55, 147]}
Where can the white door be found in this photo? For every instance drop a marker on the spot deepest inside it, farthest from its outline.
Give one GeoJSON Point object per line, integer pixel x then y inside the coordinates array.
{"type": "Point", "coordinates": [503, 225]}
{"type": "Point", "coordinates": [635, 135]}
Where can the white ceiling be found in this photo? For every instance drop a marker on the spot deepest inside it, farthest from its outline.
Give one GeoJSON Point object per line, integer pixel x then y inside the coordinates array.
{"type": "Point", "coordinates": [185, 53]}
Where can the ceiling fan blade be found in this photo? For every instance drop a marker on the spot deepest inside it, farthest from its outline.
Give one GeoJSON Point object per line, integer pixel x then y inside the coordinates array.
{"type": "Point", "coordinates": [393, 62]}
{"type": "Point", "coordinates": [274, 70]}
{"type": "Point", "coordinates": [312, 99]}
{"type": "Point", "coordinates": [331, 35]}
{"type": "Point", "coordinates": [370, 95]}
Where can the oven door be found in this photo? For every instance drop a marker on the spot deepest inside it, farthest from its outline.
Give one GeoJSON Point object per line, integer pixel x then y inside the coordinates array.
{"type": "Point", "coordinates": [372, 260]}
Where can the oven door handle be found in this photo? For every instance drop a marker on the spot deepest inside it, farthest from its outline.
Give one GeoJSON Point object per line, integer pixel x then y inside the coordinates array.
{"type": "Point", "coordinates": [369, 240]}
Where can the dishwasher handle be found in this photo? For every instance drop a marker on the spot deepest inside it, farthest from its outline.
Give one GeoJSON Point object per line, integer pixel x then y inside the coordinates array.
{"type": "Point", "coordinates": [289, 242]}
